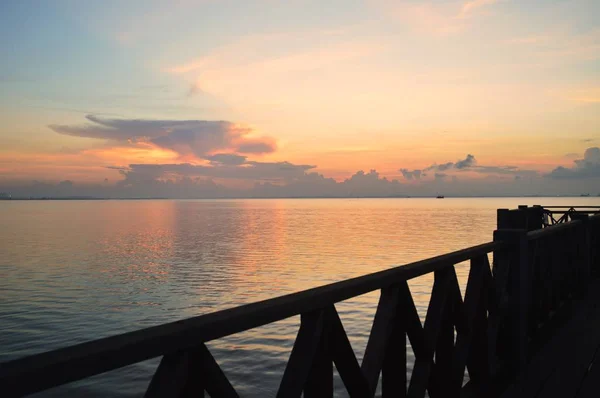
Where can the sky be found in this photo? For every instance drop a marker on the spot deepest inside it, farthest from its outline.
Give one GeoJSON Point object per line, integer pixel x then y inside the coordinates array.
{"type": "Point", "coordinates": [223, 98]}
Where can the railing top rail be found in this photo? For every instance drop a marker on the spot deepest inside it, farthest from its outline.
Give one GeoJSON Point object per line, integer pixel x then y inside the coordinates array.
{"type": "Point", "coordinates": [98, 356]}
{"type": "Point", "coordinates": [541, 233]}
{"type": "Point", "coordinates": [572, 207]}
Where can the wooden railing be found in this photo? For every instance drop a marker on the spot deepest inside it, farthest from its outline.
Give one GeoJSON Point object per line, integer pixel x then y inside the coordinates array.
{"type": "Point", "coordinates": [490, 332]}
{"type": "Point", "coordinates": [553, 215]}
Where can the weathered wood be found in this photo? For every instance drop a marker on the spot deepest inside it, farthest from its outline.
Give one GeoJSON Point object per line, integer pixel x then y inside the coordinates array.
{"type": "Point", "coordinates": [172, 377]}
{"type": "Point", "coordinates": [188, 374]}
{"type": "Point", "coordinates": [393, 372]}
{"type": "Point", "coordinates": [212, 377]}
{"type": "Point", "coordinates": [562, 364]}
{"type": "Point", "coordinates": [344, 359]}
{"type": "Point", "coordinates": [590, 385]}
{"type": "Point", "coordinates": [303, 354]}
{"type": "Point", "coordinates": [386, 348]}
{"type": "Point", "coordinates": [319, 383]}
{"type": "Point", "coordinates": [519, 285]}
{"type": "Point", "coordinates": [472, 311]}
{"type": "Point", "coordinates": [381, 330]}
{"type": "Point", "coordinates": [419, 381]}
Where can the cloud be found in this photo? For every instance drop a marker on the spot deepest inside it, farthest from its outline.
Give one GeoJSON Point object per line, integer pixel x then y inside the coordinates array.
{"type": "Point", "coordinates": [469, 163]}
{"type": "Point", "coordinates": [226, 158]}
{"type": "Point", "coordinates": [223, 166]}
{"type": "Point", "coordinates": [588, 167]}
{"type": "Point", "coordinates": [411, 174]}
{"type": "Point", "coordinates": [465, 163]}
{"type": "Point", "coordinates": [441, 167]}
{"type": "Point", "coordinates": [199, 138]}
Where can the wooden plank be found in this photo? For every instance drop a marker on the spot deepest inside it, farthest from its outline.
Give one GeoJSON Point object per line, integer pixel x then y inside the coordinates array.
{"type": "Point", "coordinates": [412, 322]}
{"type": "Point", "coordinates": [558, 368]}
{"type": "Point", "coordinates": [393, 372]}
{"type": "Point", "coordinates": [171, 377]}
{"type": "Point", "coordinates": [381, 330]}
{"type": "Point", "coordinates": [474, 318]}
{"type": "Point", "coordinates": [444, 356]}
{"type": "Point", "coordinates": [188, 374]}
{"type": "Point", "coordinates": [419, 381]}
{"type": "Point", "coordinates": [590, 386]}
{"type": "Point", "coordinates": [515, 341]}
{"type": "Point", "coordinates": [212, 377]}
{"type": "Point", "coordinates": [344, 359]}
{"type": "Point", "coordinates": [303, 353]}
{"type": "Point", "coordinates": [319, 383]}
{"type": "Point", "coordinates": [572, 366]}
{"type": "Point", "coordinates": [443, 369]}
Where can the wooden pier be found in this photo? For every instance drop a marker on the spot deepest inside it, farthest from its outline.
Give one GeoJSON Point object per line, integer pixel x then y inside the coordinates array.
{"type": "Point", "coordinates": [527, 326]}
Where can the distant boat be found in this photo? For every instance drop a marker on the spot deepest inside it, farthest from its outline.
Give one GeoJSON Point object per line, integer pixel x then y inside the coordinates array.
{"type": "Point", "coordinates": [440, 197]}
{"type": "Point", "coordinates": [585, 195]}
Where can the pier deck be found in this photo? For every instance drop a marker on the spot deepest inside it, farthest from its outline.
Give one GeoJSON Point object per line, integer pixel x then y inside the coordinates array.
{"type": "Point", "coordinates": [568, 366]}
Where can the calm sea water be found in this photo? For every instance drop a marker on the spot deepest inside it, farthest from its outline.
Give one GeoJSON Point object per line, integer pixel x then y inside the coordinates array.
{"type": "Point", "coordinates": [72, 271]}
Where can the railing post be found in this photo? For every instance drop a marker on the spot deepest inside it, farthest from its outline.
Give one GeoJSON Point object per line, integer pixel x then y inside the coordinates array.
{"type": "Point", "coordinates": [583, 253]}
{"type": "Point", "coordinates": [519, 290]}
{"type": "Point", "coordinates": [535, 218]}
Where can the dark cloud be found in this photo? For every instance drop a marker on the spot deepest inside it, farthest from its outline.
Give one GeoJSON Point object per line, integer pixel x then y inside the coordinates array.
{"type": "Point", "coordinates": [281, 179]}
{"type": "Point", "coordinates": [248, 170]}
{"type": "Point", "coordinates": [465, 163]}
{"type": "Point", "coordinates": [411, 174]}
{"type": "Point", "coordinates": [469, 163]}
{"type": "Point", "coordinates": [226, 158]}
{"type": "Point", "coordinates": [588, 167]}
{"type": "Point", "coordinates": [264, 145]}
{"type": "Point", "coordinates": [440, 167]}
{"type": "Point", "coordinates": [186, 137]}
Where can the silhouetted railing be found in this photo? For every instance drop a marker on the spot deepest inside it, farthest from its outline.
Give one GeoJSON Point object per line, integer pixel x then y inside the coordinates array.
{"type": "Point", "coordinates": [553, 215]}
{"type": "Point", "coordinates": [506, 311]}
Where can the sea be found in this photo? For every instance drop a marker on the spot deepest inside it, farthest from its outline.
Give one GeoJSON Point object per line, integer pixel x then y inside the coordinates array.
{"type": "Point", "coordinates": [73, 271]}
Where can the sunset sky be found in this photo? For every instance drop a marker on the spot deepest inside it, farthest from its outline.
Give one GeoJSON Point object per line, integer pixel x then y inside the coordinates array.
{"type": "Point", "coordinates": [207, 98]}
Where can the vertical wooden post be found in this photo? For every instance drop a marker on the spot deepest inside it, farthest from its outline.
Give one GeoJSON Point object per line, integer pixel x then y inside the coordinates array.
{"type": "Point", "coordinates": [502, 218]}
{"type": "Point", "coordinates": [320, 379]}
{"type": "Point", "coordinates": [536, 218]}
{"type": "Point", "coordinates": [519, 296]}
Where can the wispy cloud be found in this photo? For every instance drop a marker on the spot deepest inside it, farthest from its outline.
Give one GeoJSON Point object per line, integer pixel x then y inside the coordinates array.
{"type": "Point", "coordinates": [469, 163]}
{"type": "Point", "coordinates": [197, 138]}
